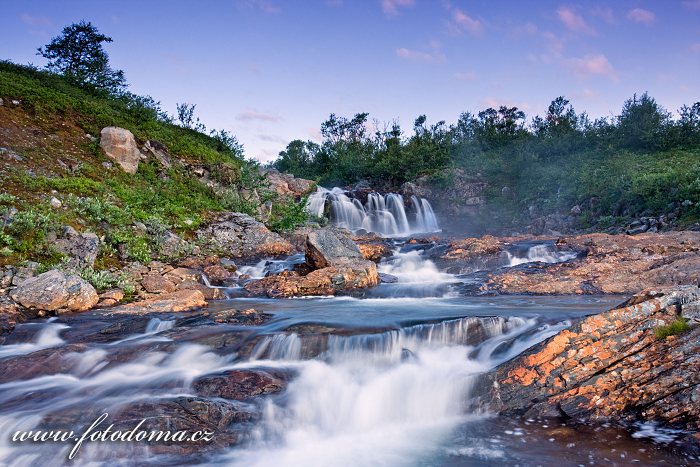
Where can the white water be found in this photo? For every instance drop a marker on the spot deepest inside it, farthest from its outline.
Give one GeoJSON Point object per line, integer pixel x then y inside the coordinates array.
{"type": "Point", "coordinates": [382, 399]}
{"type": "Point", "coordinates": [47, 337]}
{"type": "Point", "coordinates": [411, 268]}
{"type": "Point", "coordinates": [383, 214]}
{"type": "Point", "coordinates": [543, 254]}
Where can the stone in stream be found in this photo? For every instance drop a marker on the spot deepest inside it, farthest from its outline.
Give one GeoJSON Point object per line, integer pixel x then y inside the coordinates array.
{"type": "Point", "coordinates": [54, 290]}
{"type": "Point", "coordinates": [611, 366]}
{"type": "Point", "coordinates": [240, 384]}
{"type": "Point", "coordinates": [327, 247]}
{"type": "Point", "coordinates": [181, 300]}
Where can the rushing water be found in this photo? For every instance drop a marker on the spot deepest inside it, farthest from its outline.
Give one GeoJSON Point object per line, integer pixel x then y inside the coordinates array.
{"type": "Point", "coordinates": [384, 214]}
{"type": "Point", "coordinates": [383, 380]}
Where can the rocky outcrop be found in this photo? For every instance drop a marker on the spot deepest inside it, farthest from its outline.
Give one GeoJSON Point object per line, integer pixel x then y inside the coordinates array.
{"type": "Point", "coordinates": [611, 366]}
{"type": "Point", "coordinates": [81, 248]}
{"type": "Point", "coordinates": [237, 235]}
{"type": "Point", "coordinates": [10, 316]}
{"type": "Point", "coordinates": [120, 146]}
{"type": "Point", "coordinates": [55, 291]}
{"type": "Point", "coordinates": [288, 185]}
{"type": "Point", "coordinates": [612, 264]}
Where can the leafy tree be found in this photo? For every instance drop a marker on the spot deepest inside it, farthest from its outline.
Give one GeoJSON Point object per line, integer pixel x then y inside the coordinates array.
{"type": "Point", "coordinates": [643, 124]}
{"type": "Point", "coordinates": [78, 54]}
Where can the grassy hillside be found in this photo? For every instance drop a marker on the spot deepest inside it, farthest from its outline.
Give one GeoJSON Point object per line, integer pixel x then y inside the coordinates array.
{"type": "Point", "coordinates": [49, 148]}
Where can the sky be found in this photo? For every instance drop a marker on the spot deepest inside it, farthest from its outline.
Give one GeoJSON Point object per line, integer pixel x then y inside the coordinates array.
{"type": "Point", "coordinates": [271, 71]}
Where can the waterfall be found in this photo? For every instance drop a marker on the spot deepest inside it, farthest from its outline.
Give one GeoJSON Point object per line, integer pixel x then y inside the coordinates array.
{"type": "Point", "coordinates": [384, 214]}
{"type": "Point", "coordinates": [542, 253]}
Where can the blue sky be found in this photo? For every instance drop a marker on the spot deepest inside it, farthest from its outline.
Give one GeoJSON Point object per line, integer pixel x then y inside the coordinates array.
{"type": "Point", "coordinates": [272, 70]}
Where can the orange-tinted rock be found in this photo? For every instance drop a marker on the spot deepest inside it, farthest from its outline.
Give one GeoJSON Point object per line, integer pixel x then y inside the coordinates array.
{"type": "Point", "coordinates": [375, 251]}
{"type": "Point", "coordinates": [155, 283]}
{"type": "Point", "coordinates": [611, 366]}
{"type": "Point", "coordinates": [181, 300]}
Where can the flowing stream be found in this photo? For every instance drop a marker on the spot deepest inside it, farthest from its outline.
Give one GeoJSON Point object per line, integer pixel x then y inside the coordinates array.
{"type": "Point", "coordinates": [387, 379]}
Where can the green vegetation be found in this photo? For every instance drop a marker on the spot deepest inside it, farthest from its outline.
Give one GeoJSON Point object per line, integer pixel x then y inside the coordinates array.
{"type": "Point", "coordinates": [638, 163]}
{"type": "Point", "coordinates": [676, 327]}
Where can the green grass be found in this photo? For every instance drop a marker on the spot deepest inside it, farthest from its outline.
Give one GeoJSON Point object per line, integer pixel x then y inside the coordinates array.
{"type": "Point", "coordinates": [678, 326]}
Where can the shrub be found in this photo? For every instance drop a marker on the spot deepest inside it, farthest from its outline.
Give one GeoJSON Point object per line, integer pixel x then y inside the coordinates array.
{"type": "Point", "coordinates": [676, 327]}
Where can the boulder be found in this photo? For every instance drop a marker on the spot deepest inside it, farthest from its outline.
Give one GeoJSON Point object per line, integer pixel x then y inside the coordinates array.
{"type": "Point", "coordinates": [180, 300]}
{"type": "Point", "coordinates": [287, 184]}
{"type": "Point", "coordinates": [611, 366]}
{"type": "Point", "coordinates": [119, 145]}
{"type": "Point", "coordinates": [328, 247]}
{"type": "Point", "coordinates": [217, 274]}
{"type": "Point", "coordinates": [155, 283]}
{"type": "Point", "coordinates": [10, 316]}
{"type": "Point", "coordinates": [53, 290]}
{"type": "Point", "coordinates": [160, 152]}
{"type": "Point", "coordinates": [237, 235]}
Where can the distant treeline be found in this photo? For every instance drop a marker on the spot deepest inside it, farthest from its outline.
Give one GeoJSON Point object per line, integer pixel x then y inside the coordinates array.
{"type": "Point", "coordinates": [640, 162]}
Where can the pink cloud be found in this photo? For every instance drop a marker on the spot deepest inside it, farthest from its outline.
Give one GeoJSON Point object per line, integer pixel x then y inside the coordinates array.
{"type": "Point", "coordinates": [462, 22]}
{"type": "Point", "coordinates": [640, 15]}
{"type": "Point", "coordinates": [32, 20]}
{"type": "Point", "coordinates": [420, 56]}
{"type": "Point", "coordinates": [251, 115]}
{"type": "Point", "coordinates": [573, 21]}
{"type": "Point", "coordinates": [695, 48]}
{"type": "Point", "coordinates": [589, 65]}
{"type": "Point", "coordinates": [391, 7]}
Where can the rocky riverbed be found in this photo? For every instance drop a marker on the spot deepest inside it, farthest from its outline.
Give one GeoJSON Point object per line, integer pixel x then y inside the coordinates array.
{"type": "Point", "coordinates": [220, 344]}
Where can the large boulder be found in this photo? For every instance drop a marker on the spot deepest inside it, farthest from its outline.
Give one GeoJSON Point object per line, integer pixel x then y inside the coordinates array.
{"type": "Point", "coordinates": [328, 247]}
{"type": "Point", "coordinates": [54, 291]}
{"type": "Point", "coordinates": [237, 235]}
{"type": "Point", "coordinates": [120, 146]}
{"type": "Point", "coordinates": [180, 300]}
{"type": "Point", "coordinates": [611, 366]}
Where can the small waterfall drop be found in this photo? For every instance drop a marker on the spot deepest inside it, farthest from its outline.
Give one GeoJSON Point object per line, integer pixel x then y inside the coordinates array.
{"type": "Point", "coordinates": [384, 214]}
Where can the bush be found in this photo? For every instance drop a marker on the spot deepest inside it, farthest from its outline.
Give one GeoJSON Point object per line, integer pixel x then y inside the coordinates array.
{"type": "Point", "coordinates": [678, 326]}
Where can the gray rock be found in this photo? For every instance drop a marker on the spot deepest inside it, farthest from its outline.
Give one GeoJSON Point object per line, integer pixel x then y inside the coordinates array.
{"type": "Point", "coordinates": [53, 290]}
{"type": "Point", "coordinates": [81, 248]}
{"type": "Point", "coordinates": [327, 247]}
{"type": "Point", "coordinates": [236, 235]}
{"type": "Point", "coordinates": [24, 272]}
{"type": "Point", "coordinates": [55, 202]}
{"type": "Point", "coordinates": [388, 278]}
{"type": "Point", "coordinates": [160, 152]}
{"type": "Point", "coordinates": [119, 145]}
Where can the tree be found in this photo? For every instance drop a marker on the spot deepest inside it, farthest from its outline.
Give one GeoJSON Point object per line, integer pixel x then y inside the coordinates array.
{"type": "Point", "coordinates": [78, 54]}
{"type": "Point", "coordinates": [643, 123]}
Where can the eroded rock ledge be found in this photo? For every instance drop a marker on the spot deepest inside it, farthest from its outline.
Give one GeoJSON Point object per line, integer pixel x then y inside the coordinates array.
{"type": "Point", "coordinates": [612, 367]}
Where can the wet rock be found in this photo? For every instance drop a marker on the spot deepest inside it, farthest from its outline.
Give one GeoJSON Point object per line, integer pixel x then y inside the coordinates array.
{"type": "Point", "coordinates": [217, 274]}
{"type": "Point", "coordinates": [238, 235]}
{"type": "Point", "coordinates": [388, 278]}
{"type": "Point", "coordinates": [181, 300]}
{"type": "Point", "coordinates": [355, 274]}
{"type": "Point", "coordinates": [240, 384]}
{"type": "Point", "coordinates": [10, 316]}
{"type": "Point", "coordinates": [53, 290]}
{"type": "Point", "coordinates": [210, 293]}
{"type": "Point", "coordinates": [375, 251]}
{"type": "Point", "coordinates": [615, 264]}
{"type": "Point", "coordinates": [119, 145]}
{"type": "Point", "coordinates": [327, 247]}
{"type": "Point", "coordinates": [611, 366]}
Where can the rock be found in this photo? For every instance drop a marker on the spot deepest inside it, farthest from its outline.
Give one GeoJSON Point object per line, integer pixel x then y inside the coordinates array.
{"type": "Point", "coordinates": [327, 247]}
{"type": "Point", "coordinates": [576, 210]}
{"type": "Point", "coordinates": [55, 202]}
{"type": "Point", "coordinates": [53, 290]}
{"type": "Point", "coordinates": [119, 145]}
{"type": "Point", "coordinates": [15, 102]}
{"type": "Point", "coordinates": [25, 271]}
{"type": "Point", "coordinates": [181, 300]}
{"type": "Point", "coordinates": [6, 276]}
{"type": "Point", "coordinates": [209, 293]}
{"type": "Point", "coordinates": [287, 184]}
{"type": "Point", "coordinates": [612, 264]}
{"type": "Point", "coordinates": [388, 278]}
{"type": "Point", "coordinates": [110, 298]}
{"type": "Point", "coordinates": [10, 316]}
{"type": "Point", "coordinates": [82, 249]}
{"type": "Point", "coordinates": [217, 274]}
{"type": "Point", "coordinates": [184, 274]}
{"type": "Point", "coordinates": [155, 283]}
{"type": "Point", "coordinates": [81, 294]}
{"type": "Point", "coordinates": [354, 274]}
{"type": "Point", "coordinates": [610, 366]}
{"type": "Point", "coordinates": [160, 152]}
{"type": "Point", "coordinates": [238, 235]}
{"type": "Point", "coordinates": [239, 384]}
{"type": "Point", "coordinates": [375, 251]}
